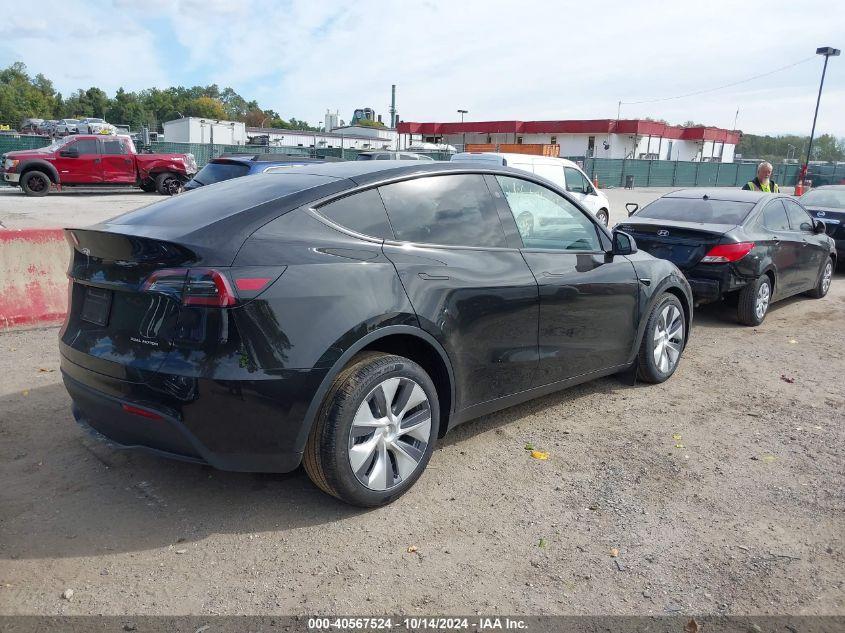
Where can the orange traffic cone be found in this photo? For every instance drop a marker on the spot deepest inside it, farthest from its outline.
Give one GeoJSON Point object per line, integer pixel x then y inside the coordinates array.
{"type": "Point", "coordinates": [596, 182]}
{"type": "Point", "coordinates": [799, 188]}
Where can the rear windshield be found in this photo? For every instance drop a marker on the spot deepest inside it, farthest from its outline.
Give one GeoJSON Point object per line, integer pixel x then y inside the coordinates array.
{"type": "Point", "coordinates": [697, 210]}
{"type": "Point", "coordinates": [831, 198]}
{"type": "Point", "coordinates": [217, 172]}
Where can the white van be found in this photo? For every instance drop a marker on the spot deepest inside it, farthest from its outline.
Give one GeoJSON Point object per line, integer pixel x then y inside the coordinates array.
{"type": "Point", "coordinates": [564, 173]}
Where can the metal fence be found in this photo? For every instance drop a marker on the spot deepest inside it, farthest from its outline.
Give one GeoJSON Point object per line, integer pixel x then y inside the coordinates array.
{"type": "Point", "coordinates": [611, 172]}
{"type": "Point", "coordinates": [614, 172]}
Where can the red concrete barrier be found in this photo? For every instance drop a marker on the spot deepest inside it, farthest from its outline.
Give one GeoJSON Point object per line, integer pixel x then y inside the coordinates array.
{"type": "Point", "coordinates": [33, 280]}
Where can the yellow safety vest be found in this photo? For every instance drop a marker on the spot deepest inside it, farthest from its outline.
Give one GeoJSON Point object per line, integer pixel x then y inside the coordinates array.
{"type": "Point", "coordinates": [767, 189]}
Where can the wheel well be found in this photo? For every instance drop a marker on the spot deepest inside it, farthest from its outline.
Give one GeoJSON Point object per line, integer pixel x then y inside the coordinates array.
{"type": "Point", "coordinates": [426, 357]}
{"type": "Point", "coordinates": [771, 275]}
{"type": "Point", "coordinates": [684, 304]}
{"type": "Point", "coordinates": [41, 168]}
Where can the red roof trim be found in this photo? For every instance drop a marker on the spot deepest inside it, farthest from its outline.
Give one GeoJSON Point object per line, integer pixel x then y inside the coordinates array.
{"type": "Point", "coordinates": [640, 127]}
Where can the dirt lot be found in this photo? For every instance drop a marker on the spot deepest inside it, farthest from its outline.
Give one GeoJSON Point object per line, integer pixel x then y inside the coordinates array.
{"type": "Point", "coordinates": [722, 491]}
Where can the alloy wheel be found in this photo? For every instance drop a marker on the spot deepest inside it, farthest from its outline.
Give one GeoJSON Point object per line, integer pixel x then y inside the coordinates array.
{"type": "Point", "coordinates": [761, 305]}
{"type": "Point", "coordinates": [668, 338]}
{"type": "Point", "coordinates": [390, 434]}
{"type": "Point", "coordinates": [827, 276]}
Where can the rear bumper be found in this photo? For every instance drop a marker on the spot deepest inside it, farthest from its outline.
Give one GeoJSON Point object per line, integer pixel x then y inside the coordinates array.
{"type": "Point", "coordinates": [225, 429]}
{"type": "Point", "coordinates": [712, 281]}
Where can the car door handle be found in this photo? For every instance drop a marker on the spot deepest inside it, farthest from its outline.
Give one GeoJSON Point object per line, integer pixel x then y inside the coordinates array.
{"type": "Point", "coordinates": [430, 277]}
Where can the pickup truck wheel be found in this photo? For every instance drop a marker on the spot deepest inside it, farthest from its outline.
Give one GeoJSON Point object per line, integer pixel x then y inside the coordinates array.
{"type": "Point", "coordinates": [168, 184]}
{"type": "Point", "coordinates": [35, 183]}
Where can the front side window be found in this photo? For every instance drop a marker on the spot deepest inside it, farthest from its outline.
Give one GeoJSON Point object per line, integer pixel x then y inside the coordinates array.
{"type": "Point", "coordinates": [447, 210]}
{"type": "Point", "coordinates": [799, 220]}
{"type": "Point", "coordinates": [575, 181]}
{"type": "Point", "coordinates": [546, 219]}
{"type": "Point", "coordinates": [774, 217]}
{"type": "Point", "coordinates": [361, 212]}
{"type": "Point", "coordinates": [86, 146]}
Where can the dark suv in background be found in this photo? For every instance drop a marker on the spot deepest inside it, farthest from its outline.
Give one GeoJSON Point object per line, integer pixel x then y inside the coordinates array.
{"type": "Point", "coordinates": [347, 315]}
{"type": "Point", "coordinates": [231, 166]}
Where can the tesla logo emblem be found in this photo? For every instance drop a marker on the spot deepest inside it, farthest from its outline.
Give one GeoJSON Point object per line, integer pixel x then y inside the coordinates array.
{"type": "Point", "coordinates": [820, 214]}
{"type": "Point", "coordinates": [662, 233]}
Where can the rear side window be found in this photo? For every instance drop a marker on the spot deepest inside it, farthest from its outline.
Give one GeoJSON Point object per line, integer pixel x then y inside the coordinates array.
{"type": "Point", "coordinates": [449, 210]}
{"type": "Point", "coordinates": [697, 210]}
{"type": "Point", "coordinates": [361, 212]}
{"type": "Point", "coordinates": [114, 146]}
{"type": "Point", "coordinates": [774, 217]}
{"type": "Point", "coordinates": [799, 220]}
{"type": "Point", "coordinates": [86, 146]}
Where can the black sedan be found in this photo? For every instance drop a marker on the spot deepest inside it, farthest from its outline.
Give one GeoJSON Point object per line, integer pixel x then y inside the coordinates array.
{"type": "Point", "coordinates": [828, 205]}
{"type": "Point", "coordinates": [763, 247]}
{"type": "Point", "coordinates": [347, 315]}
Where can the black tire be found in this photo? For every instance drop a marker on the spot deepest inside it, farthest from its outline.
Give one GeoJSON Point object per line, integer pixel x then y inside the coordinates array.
{"type": "Point", "coordinates": [36, 183]}
{"type": "Point", "coordinates": [747, 311]}
{"type": "Point", "coordinates": [168, 184]}
{"type": "Point", "coordinates": [327, 453]}
{"type": "Point", "coordinates": [648, 367]}
{"type": "Point", "coordinates": [603, 216]}
{"type": "Point", "coordinates": [824, 282]}
{"type": "Point", "coordinates": [148, 186]}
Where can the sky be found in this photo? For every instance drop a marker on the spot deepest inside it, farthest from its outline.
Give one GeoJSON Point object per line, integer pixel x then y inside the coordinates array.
{"type": "Point", "coordinates": [524, 60]}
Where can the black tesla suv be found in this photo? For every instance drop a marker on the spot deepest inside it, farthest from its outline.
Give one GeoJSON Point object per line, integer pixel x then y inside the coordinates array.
{"type": "Point", "coordinates": [347, 315]}
{"type": "Point", "coordinates": [758, 247]}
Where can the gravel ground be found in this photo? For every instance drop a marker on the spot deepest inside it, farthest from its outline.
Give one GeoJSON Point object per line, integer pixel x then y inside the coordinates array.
{"type": "Point", "coordinates": [719, 491]}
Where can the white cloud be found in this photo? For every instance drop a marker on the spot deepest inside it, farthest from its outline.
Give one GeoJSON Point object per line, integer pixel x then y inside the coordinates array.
{"type": "Point", "coordinates": [527, 59]}
{"type": "Point", "coordinates": [79, 45]}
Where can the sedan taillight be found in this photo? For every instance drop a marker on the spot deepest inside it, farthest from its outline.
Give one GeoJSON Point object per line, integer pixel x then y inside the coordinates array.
{"type": "Point", "coordinates": [724, 253]}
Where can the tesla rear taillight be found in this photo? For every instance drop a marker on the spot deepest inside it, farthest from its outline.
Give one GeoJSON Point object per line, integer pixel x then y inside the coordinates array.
{"type": "Point", "coordinates": [210, 287]}
{"type": "Point", "coordinates": [252, 284]}
{"type": "Point", "coordinates": [724, 253]}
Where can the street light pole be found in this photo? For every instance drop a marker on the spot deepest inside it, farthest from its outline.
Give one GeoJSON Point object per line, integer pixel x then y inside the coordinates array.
{"type": "Point", "coordinates": [828, 52]}
{"type": "Point", "coordinates": [462, 113]}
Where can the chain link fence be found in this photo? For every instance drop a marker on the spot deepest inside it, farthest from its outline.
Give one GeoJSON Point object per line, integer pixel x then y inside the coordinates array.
{"type": "Point", "coordinates": [614, 172]}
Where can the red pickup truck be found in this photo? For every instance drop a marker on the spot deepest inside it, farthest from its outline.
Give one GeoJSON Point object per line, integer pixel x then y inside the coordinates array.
{"type": "Point", "coordinates": [95, 160]}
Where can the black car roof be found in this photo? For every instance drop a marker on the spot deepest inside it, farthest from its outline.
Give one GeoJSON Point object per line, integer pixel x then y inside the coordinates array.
{"type": "Point", "coordinates": [720, 193]}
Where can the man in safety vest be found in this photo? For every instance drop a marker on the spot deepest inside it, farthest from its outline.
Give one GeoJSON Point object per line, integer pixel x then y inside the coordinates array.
{"type": "Point", "coordinates": [763, 180]}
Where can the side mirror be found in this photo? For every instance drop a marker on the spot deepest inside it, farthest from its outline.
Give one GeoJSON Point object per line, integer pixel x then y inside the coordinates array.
{"type": "Point", "coordinates": [632, 208]}
{"type": "Point", "coordinates": [819, 227]}
{"type": "Point", "coordinates": [70, 152]}
{"type": "Point", "coordinates": [623, 244]}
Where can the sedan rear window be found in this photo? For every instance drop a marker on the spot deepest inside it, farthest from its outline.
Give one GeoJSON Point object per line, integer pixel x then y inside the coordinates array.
{"type": "Point", "coordinates": [217, 172]}
{"type": "Point", "coordinates": [697, 210]}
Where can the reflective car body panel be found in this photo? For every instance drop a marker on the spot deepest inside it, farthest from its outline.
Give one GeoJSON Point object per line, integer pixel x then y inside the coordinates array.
{"type": "Point", "coordinates": [237, 385]}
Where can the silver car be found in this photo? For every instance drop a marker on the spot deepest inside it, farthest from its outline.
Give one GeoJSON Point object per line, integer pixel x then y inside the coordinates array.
{"type": "Point", "coordinates": [66, 126]}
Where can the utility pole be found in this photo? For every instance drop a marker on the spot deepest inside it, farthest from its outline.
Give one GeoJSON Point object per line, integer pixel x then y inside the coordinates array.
{"type": "Point", "coordinates": [827, 52]}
